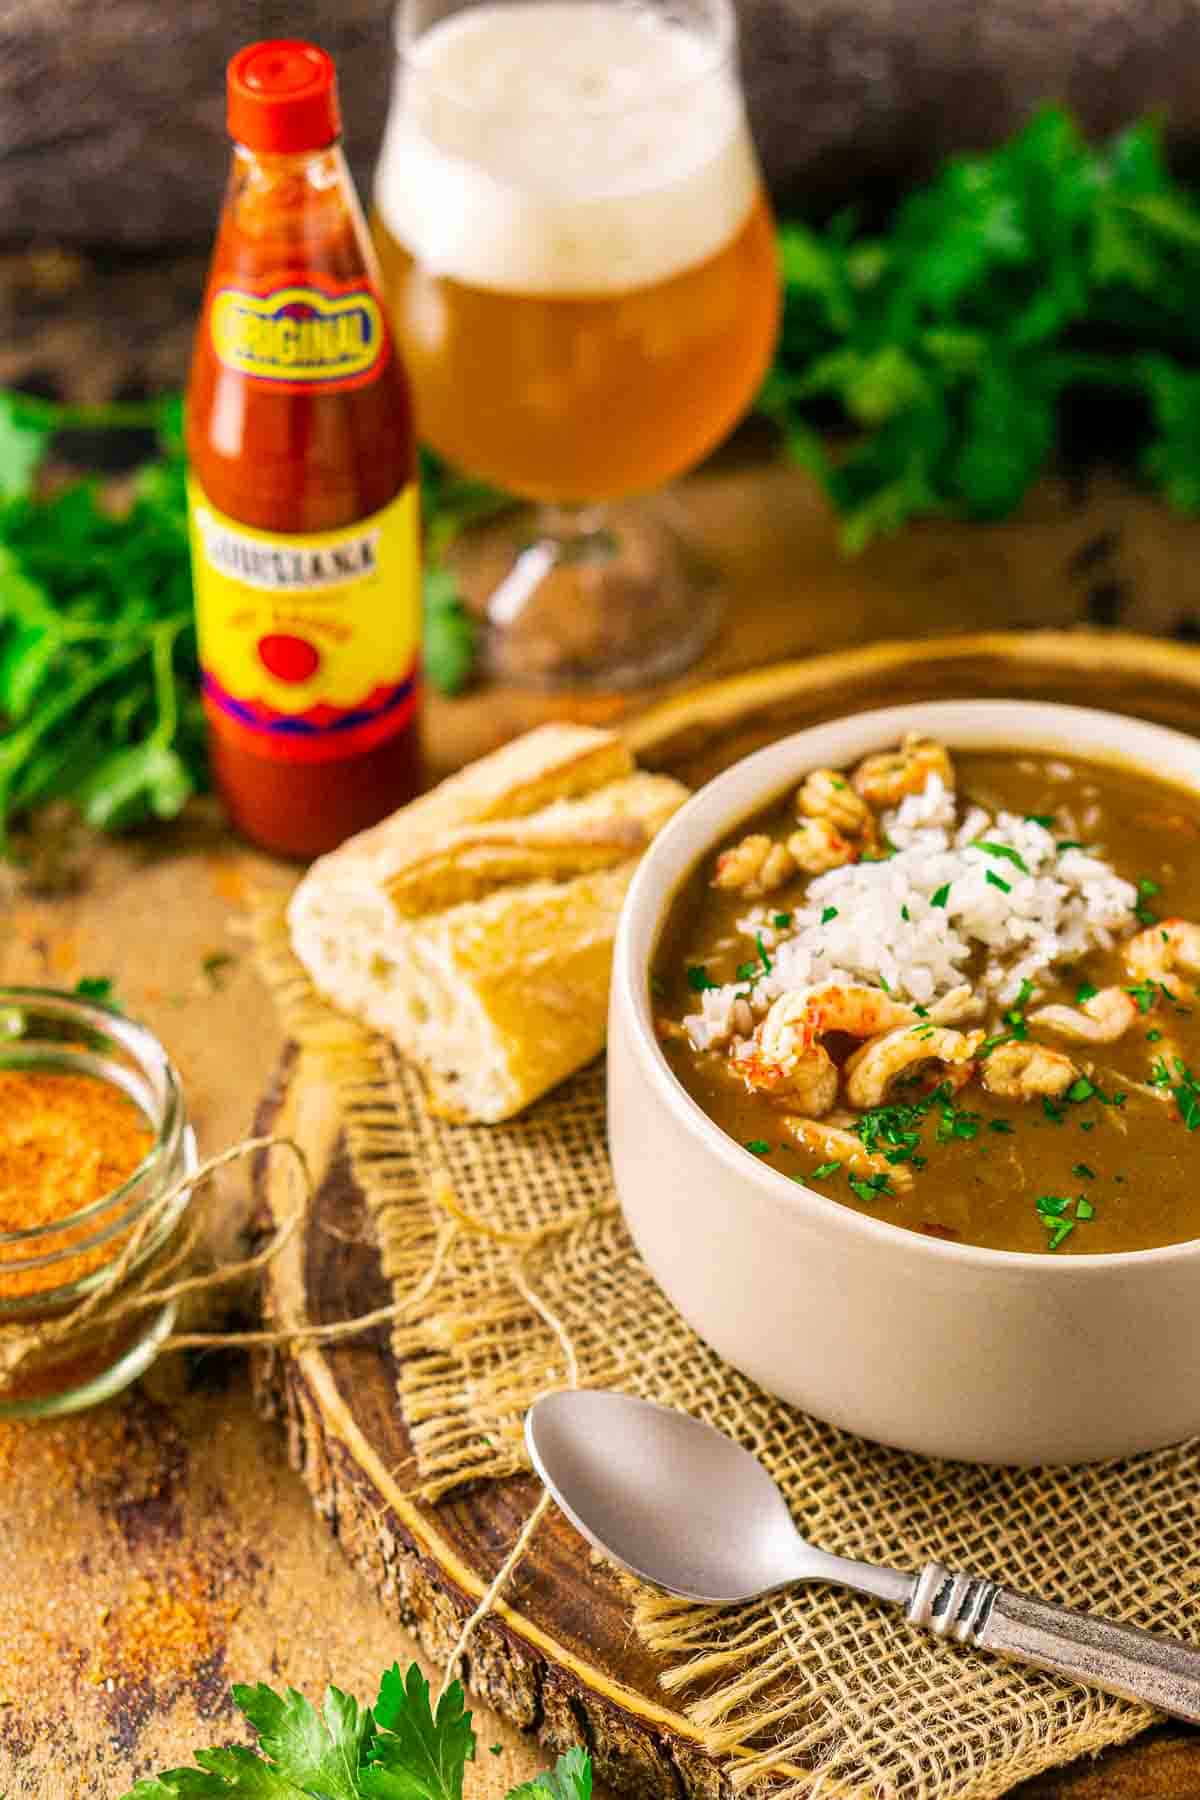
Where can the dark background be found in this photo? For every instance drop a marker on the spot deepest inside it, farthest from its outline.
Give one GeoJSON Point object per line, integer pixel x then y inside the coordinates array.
{"type": "Point", "coordinates": [111, 111]}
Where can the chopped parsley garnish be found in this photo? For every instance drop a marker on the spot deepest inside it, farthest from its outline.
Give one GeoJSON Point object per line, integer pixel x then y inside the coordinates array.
{"type": "Point", "coordinates": [781, 921]}
{"type": "Point", "coordinates": [1160, 1075]}
{"type": "Point", "coordinates": [763, 958]}
{"type": "Point", "coordinates": [699, 979]}
{"type": "Point", "coordinates": [996, 881]}
{"type": "Point", "coordinates": [904, 914]}
{"type": "Point", "coordinates": [1001, 1125]}
{"type": "Point", "coordinates": [1045, 820]}
{"type": "Point", "coordinates": [1052, 1210]}
{"type": "Point", "coordinates": [1087, 1124]}
{"type": "Point", "coordinates": [829, 913]}
{"type": "Point", "coordinates": [748, 971]}
{"type": "Point", "coordinates": [1084, 992]}
{"type": "Point", "coordinates": [1068, 844]}
{"type": "Point", "coordinates": [1082, 1170]}
{"type": "Point", "coordinates": [956, 1122]}
{"type": "Point", "coordinates": [922, 1012]}
{"type": "Point", "coordinates": [1145, 993]}
{"type": "Point", "coordinates": [1152, 1037]}
{"type": "Point", "coordinates": [941, 896]}
{"type": "Point", "coordinates": [759, 1146]}
{"type": "Point", "coordinates": [871, 1187]}
{"type": "Point", "coordinates": [1004, 850]}
{"type": "Point", "coordinates": [1186, 1094]}
{"type": "Point", "coordinates": [1145, 915]}
{"type": "Point", "coordinates": [1080, 1090]}
{"type": "Point", "coordinates": [1052, 1110]}
{"type": "Point", "coordinates": [885, 984]}
{"type": "Point", "coordinates": [822, 1174]}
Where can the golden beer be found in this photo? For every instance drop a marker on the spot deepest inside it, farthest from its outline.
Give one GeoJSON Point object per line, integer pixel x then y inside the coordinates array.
{"type": "Point", "coordinates": [578, 256]}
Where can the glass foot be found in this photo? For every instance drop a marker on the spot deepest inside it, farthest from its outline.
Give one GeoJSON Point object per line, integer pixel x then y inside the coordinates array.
{"type": "Point", "coordinates": [594, 598]}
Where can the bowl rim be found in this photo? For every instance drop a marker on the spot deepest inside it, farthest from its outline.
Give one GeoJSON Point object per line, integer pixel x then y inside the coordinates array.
{"type": "Point", "coordinates": [882, 725]}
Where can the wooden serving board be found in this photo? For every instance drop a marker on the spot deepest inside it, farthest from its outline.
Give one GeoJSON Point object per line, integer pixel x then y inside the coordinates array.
{"type": "Point", "coordinates": [557, 1657]}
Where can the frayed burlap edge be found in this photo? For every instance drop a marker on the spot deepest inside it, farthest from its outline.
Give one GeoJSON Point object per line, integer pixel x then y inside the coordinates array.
{"type": "Point", "coordinates": [810, 1693]}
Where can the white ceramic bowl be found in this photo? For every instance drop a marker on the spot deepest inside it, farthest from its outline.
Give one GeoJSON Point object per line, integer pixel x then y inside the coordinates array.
{"type": "Point", "coordinates": [943, 1348]}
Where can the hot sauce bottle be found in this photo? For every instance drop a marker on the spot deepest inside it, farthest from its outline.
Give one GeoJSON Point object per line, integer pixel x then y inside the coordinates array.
{"type": "Point", "coordinates": [303, 499]}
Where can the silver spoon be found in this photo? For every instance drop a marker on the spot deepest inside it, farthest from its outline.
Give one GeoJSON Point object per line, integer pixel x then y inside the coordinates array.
{"type": "Point", "coordinates": [687, 1509]}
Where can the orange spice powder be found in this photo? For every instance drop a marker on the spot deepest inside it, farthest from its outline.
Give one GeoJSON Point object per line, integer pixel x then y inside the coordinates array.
{"type": "Point", "coordinates": [65, 1141]}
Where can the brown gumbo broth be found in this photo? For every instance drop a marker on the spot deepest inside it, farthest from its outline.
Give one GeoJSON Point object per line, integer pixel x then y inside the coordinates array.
{"type": "Point", "coordinates": [1108, 1163]}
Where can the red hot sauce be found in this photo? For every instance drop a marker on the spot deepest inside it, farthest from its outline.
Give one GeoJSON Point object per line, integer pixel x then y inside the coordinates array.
{"type": "Point", "coordinates": [303, 508]}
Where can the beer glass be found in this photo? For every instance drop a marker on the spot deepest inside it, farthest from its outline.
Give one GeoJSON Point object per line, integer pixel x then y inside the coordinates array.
{"type": "Point", "coordinates": [580, 268]}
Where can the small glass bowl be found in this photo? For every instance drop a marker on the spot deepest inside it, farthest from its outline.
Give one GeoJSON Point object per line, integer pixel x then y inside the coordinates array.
{"type": "Point", "coordinates": [45, 1031]}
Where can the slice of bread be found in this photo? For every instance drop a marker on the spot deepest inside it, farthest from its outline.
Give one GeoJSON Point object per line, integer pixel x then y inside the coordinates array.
{"type": "Point", "coordinates": [475, 927]}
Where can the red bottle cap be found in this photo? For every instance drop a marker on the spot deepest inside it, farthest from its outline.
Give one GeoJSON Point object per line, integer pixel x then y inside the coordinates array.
{"type": "Point", "coordinates": [283, 96]}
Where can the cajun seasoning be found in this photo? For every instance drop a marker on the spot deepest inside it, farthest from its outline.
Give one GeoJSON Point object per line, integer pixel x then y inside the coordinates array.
{"type": "Point", "coordinates": [65, 1142]}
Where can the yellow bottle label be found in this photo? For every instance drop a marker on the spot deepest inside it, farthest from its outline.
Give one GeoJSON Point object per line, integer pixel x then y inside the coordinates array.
{"type": "Point", "coordinates": [300, 337]}
{"type": "Point", "coordinates": [308, 643]}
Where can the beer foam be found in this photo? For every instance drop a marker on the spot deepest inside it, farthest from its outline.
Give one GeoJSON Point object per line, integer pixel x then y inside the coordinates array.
{"type": "Point", "coordinates": [564, 147]}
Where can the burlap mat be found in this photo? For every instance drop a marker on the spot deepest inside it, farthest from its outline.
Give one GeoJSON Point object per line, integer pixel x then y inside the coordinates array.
{"type": "Point", "coordinates": [832, 1694]}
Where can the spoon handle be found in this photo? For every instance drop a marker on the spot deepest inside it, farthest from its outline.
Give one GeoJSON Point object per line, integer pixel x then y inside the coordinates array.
{"type": "Point", "coordinates": [1120, 1659]}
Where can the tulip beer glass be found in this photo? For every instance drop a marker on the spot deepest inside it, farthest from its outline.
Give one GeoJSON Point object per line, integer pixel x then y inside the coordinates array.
{"type": "Point", "coordinates": [580, 268]}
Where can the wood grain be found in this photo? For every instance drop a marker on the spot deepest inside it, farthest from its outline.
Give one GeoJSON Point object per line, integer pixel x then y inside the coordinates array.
{"type": "Point", "coordinates": [558, 1657]}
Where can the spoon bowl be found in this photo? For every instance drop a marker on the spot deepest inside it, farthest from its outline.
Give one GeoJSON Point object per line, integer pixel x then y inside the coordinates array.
{"type": "Point", "coordinates": [664, 1495]}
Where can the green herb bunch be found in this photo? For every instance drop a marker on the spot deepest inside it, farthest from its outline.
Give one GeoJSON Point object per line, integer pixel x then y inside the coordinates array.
{"type": "Point", "coordinates": [99, 696]}
{"type": "Point", "coordinates": [398, 1749]}
{"type": "Point", "coordinates": [99, 682]}
{"type": "Point", "coordinates": [1011, 281]}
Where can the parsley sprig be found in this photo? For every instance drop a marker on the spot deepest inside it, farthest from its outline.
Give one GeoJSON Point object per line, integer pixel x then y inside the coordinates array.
{"type": "Point", "coordinates": [1046, 270]}
{"type": "Point", "coordinates": [398, 1749]}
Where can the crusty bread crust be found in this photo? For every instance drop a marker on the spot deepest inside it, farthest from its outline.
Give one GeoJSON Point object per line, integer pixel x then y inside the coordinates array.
{"type": "Point", "coordinates": [475, 927]}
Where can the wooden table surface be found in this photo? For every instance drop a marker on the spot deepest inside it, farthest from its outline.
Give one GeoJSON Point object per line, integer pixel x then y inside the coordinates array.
{"type": "Point", "coordinates": [158, 1548]}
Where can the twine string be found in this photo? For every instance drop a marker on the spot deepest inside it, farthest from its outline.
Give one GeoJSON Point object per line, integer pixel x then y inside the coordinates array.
{"type": "Point", "coordinates": [502, 1579]}
{"type": "Point", "coordinates": [126, 1290]}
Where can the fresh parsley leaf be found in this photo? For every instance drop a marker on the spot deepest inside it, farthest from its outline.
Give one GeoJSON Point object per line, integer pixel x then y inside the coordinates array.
{"type": "Point", "coordinates": [1045, 820]}
{"type": "Point", "coordinates": [997, 881]}
{"type": "Point", "coordinates": [828, 914]}
{"type": "Point", "coordinates": [98, 987]}
{"type": "Point", "coordinates": [941, 896]}
{"type": "Point", "coordinates": [823, 1172]}
{"type": "Point", "coordinates": [782, 920]}
{"type": "Point", "coordinates": [1081, 1090]}
{"type": "Point", "coordinates": [233, 1774]}
{"type": "Point", "coordinates": [759, 1146]}
{"type": "Point", "coordinates": [399, 1750]}
{"type": "Point", "coordinates": [1084, 1208]}
{"type": "Point", "coordinates": [1084, 992]}
{"type": "Point", "coordinates": [319, 1754]}
{"type": "Point", "coordinates": [1081, 1169]}
{"type": "Point", "coordinates": [569, 1779]}
{"type": "Point", "coordinates": [1061, 1231]}
{"type": "Point", "coordinates": [1004, 1126]}
{"type": "Point", "coordinates": [699, 979]}
{"type": "Point", "coordinates": [416, 1755]}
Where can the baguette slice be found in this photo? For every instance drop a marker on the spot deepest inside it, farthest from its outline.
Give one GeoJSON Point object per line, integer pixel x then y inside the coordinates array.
{"type": "Point", "coordinates": [569, 837]}
{"type": "Point", "coordinates": [483, 948]}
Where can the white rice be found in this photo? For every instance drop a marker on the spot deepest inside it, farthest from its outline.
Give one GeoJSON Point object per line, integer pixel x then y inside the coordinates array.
{"type": "Point", "coordinates": [1067, 903]}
